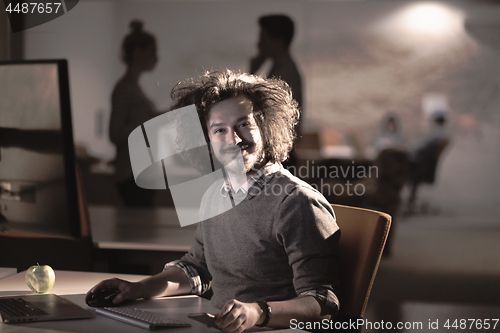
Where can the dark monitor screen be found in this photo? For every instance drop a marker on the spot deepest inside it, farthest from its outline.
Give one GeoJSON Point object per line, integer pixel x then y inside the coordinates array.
{"type": "Point", "coordinates": [37, 172]}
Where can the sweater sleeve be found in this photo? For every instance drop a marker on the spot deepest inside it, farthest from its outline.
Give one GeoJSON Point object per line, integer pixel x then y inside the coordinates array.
{"type": "Point", "coordinates": [195, 258]}
{"type": "Point", "coordinates": [306, 228]}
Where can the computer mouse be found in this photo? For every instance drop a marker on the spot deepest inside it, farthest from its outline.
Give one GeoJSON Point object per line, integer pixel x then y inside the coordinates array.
{"type": "Point", "coordinates": [103, 298]}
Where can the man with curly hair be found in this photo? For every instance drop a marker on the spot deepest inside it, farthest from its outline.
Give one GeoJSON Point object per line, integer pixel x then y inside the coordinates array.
{"type": "Point", "coordinates": [272, 258]}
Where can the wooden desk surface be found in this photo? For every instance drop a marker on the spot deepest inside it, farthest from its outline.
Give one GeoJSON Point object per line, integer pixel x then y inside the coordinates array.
{"type": "Point", "coordinates": [74, 285]}
{"type": "Point", "coordinates": [139, 229]}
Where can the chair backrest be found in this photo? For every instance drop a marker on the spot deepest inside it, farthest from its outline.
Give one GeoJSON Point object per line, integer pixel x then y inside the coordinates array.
{"type": "Point", "coordinates": [440, 147]}
{"type": "Point", "coordinates": [362, 240]}
{"type": "Point", "coordinates": [427, 166]}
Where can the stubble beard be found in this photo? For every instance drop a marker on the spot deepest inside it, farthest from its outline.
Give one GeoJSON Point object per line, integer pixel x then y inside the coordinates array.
{"type": "Point", "coordinates": [251, 163]}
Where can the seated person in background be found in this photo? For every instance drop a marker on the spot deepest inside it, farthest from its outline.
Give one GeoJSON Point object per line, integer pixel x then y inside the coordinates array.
{"type": "Point", "coordinates": [425, 155]}
{"type": "Point", "coordinates": [388, 137]}
{"type": "Point", "coordinates": [278, 248]}
{"type": "Point", "coordinates": [389, 153]}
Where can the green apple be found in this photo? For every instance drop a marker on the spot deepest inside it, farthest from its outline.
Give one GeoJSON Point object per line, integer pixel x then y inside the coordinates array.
{"type": "Point", "coordinates": [40, 279]}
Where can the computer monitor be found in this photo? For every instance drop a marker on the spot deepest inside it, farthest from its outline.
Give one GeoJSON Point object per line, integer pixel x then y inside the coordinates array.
{"type": "Point", "coordinates": [38, 191]}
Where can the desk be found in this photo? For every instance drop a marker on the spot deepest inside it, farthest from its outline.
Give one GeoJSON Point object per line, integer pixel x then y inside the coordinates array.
{"type": "Point", "coordinates": [73, 286]}
{"type": "Point", "coordinates": [5, 272]}
{"type": "Point", "coordinates": [126, 228]}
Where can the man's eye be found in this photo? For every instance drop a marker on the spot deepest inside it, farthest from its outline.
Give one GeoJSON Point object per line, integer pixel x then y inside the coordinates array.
{"type": "Point", "coordinates": [245, 124]}
{"type": "Point", "coordinates": [219, 130]}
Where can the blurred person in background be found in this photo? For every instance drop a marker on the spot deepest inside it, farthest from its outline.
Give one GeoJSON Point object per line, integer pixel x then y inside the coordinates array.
{"type": "Point", "coordinates": [389, 136]}
{"type": "Point", "coordinates": [130, 107]}
{"type": "Point", "coordinates": [275, 38]}
{"type": "Point", "coordinates": [425, 156]}
{"type": "Point", "coordinates": [393, 162]}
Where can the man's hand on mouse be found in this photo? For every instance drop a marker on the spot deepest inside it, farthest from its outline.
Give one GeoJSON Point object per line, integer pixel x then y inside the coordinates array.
{"type": "Point", "coordinates": [128, 290]}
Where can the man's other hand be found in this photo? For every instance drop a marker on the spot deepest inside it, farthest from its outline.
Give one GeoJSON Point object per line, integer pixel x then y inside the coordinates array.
{"type": "Point", "coordinates": [237, 316]}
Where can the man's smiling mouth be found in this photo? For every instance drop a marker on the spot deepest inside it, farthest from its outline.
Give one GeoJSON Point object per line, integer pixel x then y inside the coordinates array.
{"type": "Point", "coordinates": [236, 149]}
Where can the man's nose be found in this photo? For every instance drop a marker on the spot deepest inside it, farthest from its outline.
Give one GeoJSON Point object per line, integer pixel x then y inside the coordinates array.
{"type": "Point", "coordinates": [236, 138]}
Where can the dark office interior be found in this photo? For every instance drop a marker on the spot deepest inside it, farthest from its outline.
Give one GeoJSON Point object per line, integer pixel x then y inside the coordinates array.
{"type": "Point", "coordinates": [360, 61]}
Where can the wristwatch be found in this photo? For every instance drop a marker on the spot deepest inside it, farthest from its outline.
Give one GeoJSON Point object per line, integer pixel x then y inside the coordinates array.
{"type": "Point", "coordinates": [267, 310]}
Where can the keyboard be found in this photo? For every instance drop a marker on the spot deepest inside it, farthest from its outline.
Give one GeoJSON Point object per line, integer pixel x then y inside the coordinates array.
{"type": "Point", "coordinates": [140, 318]}
{"type": "Point", "coordinates": [18, 307]}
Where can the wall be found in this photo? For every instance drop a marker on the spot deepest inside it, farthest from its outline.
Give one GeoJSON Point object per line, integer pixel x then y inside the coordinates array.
{"type": "Point", "coordinates": [86, 37]}
{"type": "Point", "coordinates": [358, 61]}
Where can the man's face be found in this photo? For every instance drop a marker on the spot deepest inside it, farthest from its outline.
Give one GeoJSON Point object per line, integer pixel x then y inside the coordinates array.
{"type": "Point", "coordinates": [232, 129]}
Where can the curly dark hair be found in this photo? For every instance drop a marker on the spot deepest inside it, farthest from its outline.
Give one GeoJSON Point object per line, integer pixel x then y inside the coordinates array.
{"type": "Point", "coordinates": [275, 111]}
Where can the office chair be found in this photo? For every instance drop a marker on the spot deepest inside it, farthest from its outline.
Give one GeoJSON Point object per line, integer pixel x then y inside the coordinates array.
{"type": "Point", "coordinates": [423, 170]}
{"type": "Point", "coordinates": [21, 249]}
{"type": "Point", "coordinates": [393, 167]}
{"type": "Point", "coordinates": [362, 240]}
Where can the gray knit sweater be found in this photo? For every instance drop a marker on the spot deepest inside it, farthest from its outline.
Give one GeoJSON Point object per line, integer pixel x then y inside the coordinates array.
{"type": "Point", "coordinates": [279, 242]}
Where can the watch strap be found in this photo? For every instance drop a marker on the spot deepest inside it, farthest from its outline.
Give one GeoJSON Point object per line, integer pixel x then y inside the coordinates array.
{"type": "Point", "coordinates": [267, 310]}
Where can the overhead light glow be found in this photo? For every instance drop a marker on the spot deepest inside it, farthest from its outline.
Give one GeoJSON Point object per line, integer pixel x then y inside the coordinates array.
{"type": "Point", "coordinates": [425, 26]}
{"type": "Point", "coordinates": [429, 18]}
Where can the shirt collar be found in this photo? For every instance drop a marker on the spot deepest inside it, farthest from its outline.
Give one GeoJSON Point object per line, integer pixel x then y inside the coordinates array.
{"type": "Point", "coordinates": [255, 183]}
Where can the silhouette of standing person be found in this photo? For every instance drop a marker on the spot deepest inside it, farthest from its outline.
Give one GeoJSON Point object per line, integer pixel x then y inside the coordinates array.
{"type": "Point", "coordinates": [130, 107]}
{"type": "Point", "coordinates": [275, 38]}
